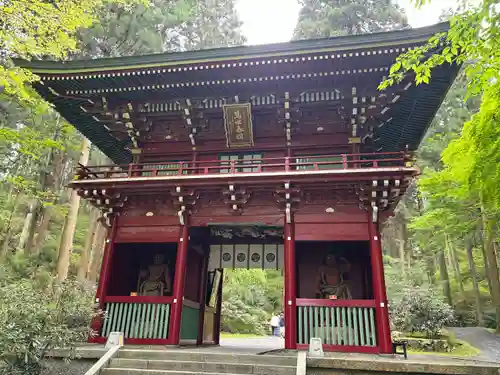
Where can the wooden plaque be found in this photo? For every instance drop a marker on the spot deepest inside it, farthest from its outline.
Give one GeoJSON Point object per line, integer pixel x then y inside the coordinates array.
{"type": "Point", "coordinates": [238, 125]}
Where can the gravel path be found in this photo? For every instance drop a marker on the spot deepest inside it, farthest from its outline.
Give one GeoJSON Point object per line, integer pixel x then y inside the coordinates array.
{"type": "Point", "coordinates": [487, 342]}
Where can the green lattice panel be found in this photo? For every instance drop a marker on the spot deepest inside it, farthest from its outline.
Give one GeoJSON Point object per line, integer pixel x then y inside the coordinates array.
{"type": "Point", "coordinates": [137, 320]}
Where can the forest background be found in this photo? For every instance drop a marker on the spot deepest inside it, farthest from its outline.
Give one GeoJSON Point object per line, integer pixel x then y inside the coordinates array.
{"type": "Point", "coordinates": [442, 241]}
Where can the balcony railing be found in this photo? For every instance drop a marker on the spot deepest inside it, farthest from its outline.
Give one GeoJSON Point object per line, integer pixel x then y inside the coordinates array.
{"type": "Point", "coordinates": [244, 166]}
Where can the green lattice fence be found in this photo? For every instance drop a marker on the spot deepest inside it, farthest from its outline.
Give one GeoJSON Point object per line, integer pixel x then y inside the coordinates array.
{"type": "Point", "coordinates": [137, 320]}
{"type": "Point", "coordinates": [337, 325]}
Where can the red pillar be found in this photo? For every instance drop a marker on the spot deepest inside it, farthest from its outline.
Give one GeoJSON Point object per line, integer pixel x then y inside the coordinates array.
{"type": "Point", "coordinates": [381, 309]}
{"type": "Point", "coordinates": [179, 281]}
{"type": "Point", "coordinates": [290, 288]}
{"type": "Point", "coordinates": [105, 274]}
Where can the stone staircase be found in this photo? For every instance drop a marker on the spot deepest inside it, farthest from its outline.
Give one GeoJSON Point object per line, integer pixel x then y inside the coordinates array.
{"type": "Point", "coordinates": [180, 362]}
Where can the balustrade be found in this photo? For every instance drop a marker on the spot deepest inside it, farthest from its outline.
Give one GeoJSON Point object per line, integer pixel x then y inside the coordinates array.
{"type": "Point", "coordinates": [337, 322]}
{"type": "Point", "coordinates": [137, 317]}
{"type": "Point", "coordinates": [300, 163]}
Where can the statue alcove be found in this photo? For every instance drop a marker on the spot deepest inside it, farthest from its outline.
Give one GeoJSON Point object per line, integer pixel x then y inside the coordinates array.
{"type": "Point", "coordinates": [129, 259]}
{"type": "Point", "coordinates": [155, 278]}
{"type": "Point", "coordinates": [311, 256]}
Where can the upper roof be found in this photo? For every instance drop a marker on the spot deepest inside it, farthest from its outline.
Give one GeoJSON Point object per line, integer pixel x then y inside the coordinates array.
{"type": "Point", "coordinates": [343, 43]}
{"type": "Point", "coordinates": [164, 79]}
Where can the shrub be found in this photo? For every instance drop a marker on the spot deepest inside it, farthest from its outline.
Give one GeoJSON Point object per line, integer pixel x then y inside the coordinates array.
{"type": "Point", "coordinates": [37, 317]}
{"type": "Point", "coordinates": [421, 311]}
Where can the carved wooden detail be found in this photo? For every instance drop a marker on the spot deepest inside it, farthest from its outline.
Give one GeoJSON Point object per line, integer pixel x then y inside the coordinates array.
{"type": "Point", "coordinates": [288, 199]}
{"type": "Point", "coordinates": [109, 202]}
{"type": "Point", "coordinates": [235, 197]}
{"type": "Point", "coordinates": [184, 200]}
{"type": "Point", "coordinates": [381, 194]}
{"type": "Point", "coordinates": [149, 205]}
{"type": "Point", "coordinates": [248, 231]}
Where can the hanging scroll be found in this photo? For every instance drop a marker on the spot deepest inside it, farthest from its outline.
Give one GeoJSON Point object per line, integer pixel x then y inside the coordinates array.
{"type": "Point", "coordinates": [238, 125]}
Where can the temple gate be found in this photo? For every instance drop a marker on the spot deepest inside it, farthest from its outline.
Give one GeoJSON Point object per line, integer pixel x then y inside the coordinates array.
{"type": "Point", "coordinates": [284, 156]}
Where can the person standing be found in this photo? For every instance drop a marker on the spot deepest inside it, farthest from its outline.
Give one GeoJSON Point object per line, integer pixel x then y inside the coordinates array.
{"type": "Point", "coordinates": [282, 325]}
{"type": "Point", "coordinates": [275, 323]}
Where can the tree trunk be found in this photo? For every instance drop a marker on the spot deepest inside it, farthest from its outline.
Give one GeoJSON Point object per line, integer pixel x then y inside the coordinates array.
{"type": "Point", "coordinates": [28, 223]}
{"type": "Point", "coordinates": [431, 270]}
{"type": "Point", "coordinates": [456, 266]}
{"type": "Point", "coordinates": [43, 228]}
{"type": "Point", "coordinates": [5, 244]}
{"type": "Point", "coordinates": [485, 258]}
{"type": "Point", "coordinates": [97, 252]}
{"type": "Point", "coordinates": [83, 266]}
{"type": "Point", "coordinates": [37, 209]}
{"type": "Point", "coordinates": [402, 262]}
{"type": "Point", "coordinates": [493, 269]}
{"type": "Point", "coordinates": [48, 211]}
{"type": "Point", "coordinates": [443, 272]}
{"type": "Point", "coordinates": [64, 253]}
{"type": "Point", "coordinates": [475, 284]}
{"type": "Point", "coordinates": [8, 232]}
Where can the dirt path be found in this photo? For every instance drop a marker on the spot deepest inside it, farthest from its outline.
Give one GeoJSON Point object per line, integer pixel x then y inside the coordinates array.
{"type": "Point", "coordinates": [487, 342]}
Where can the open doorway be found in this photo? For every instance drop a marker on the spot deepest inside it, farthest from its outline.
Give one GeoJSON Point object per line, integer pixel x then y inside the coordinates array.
{"type": "Point", "coordinates": [246, 268]}
{"type": "Point", "coordinates": [252, 309]}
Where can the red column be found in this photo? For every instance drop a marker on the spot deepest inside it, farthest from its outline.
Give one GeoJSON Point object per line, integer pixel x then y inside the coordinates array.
{"type": "Point", "coordinates": [379, 292]}
{"type": "Point", "coordinates": [179, 281]}
{"type": "Point", "coordinates": [290, 288]}
{"type": "Point", "coordinates": [202, 299]}
{"type": "Point", "coordinates": [105, 274]}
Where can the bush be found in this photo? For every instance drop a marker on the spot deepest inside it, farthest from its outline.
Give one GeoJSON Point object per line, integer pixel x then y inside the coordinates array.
{"type": "Point", "coordinates": [36, 317]}
{"type": "Point", "coordinates": [238, 317]}
{"type": "Point", "coordinates": [421, 311]}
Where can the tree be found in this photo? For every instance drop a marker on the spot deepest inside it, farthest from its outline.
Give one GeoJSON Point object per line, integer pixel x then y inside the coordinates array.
{"type": "Point", "coordinates": [249, 298]}
{"type": "Point", "coordinates": [472, 159]}
{"type": "Point", "coordinates": [125, 30]}
{"type": "Point", "coordinates": [162, 26]}
{"type": "Point", "coordinates": [65, 247]}
{"type": "Point", "coordinates": [215, 24]}
{"type": "Point", "coordinates": [39, 29]}
{"type": "Point", "coordinates": [320, 19]}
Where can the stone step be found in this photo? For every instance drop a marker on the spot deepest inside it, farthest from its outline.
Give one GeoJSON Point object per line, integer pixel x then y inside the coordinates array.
{"type": "Point", "coordinates": [191, 356]}
{"type": "Point", "coordinates": [128, 371]}
{"type": "Point", "coordinates": [206, 367]}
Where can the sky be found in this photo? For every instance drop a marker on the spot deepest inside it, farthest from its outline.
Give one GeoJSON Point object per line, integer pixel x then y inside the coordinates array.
{"type": "Point", "coordinates": [273, 21]}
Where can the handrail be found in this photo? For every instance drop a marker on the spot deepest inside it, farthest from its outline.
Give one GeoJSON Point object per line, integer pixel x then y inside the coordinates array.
{"type": "Point", "coordinates": [104, 360]}
{"type": "Point", "coordinates": [273, 164]}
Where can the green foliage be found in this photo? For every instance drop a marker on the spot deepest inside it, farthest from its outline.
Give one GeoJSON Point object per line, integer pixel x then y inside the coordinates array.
{"type": "Point", "coordinates": [249, 299]}
{"type": "Point", "coordinates": [125, 30]}
{"type": "Point", "coordinates": [37, 315]}
{"type": "Point", "coordinates": [340, 17]}
{"type": "Point", "coordinates": [39, 29]}
{"type": "Point", "coordinates": [162, 26]}
{"type": "Point", "coordinates": [472, 39]}
{"type": "Point", "coordinates": [421, 311]}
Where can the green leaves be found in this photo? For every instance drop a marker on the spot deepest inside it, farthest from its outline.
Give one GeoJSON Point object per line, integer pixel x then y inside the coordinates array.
{"type": "Point", "coordinates": [421, 310]}
{"type": "Point", "coordinates": [337, 18]}
{"type": "Point", "coordinates": [249, 299]}
{"type": "Point", "coordinates": [32, 325]}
